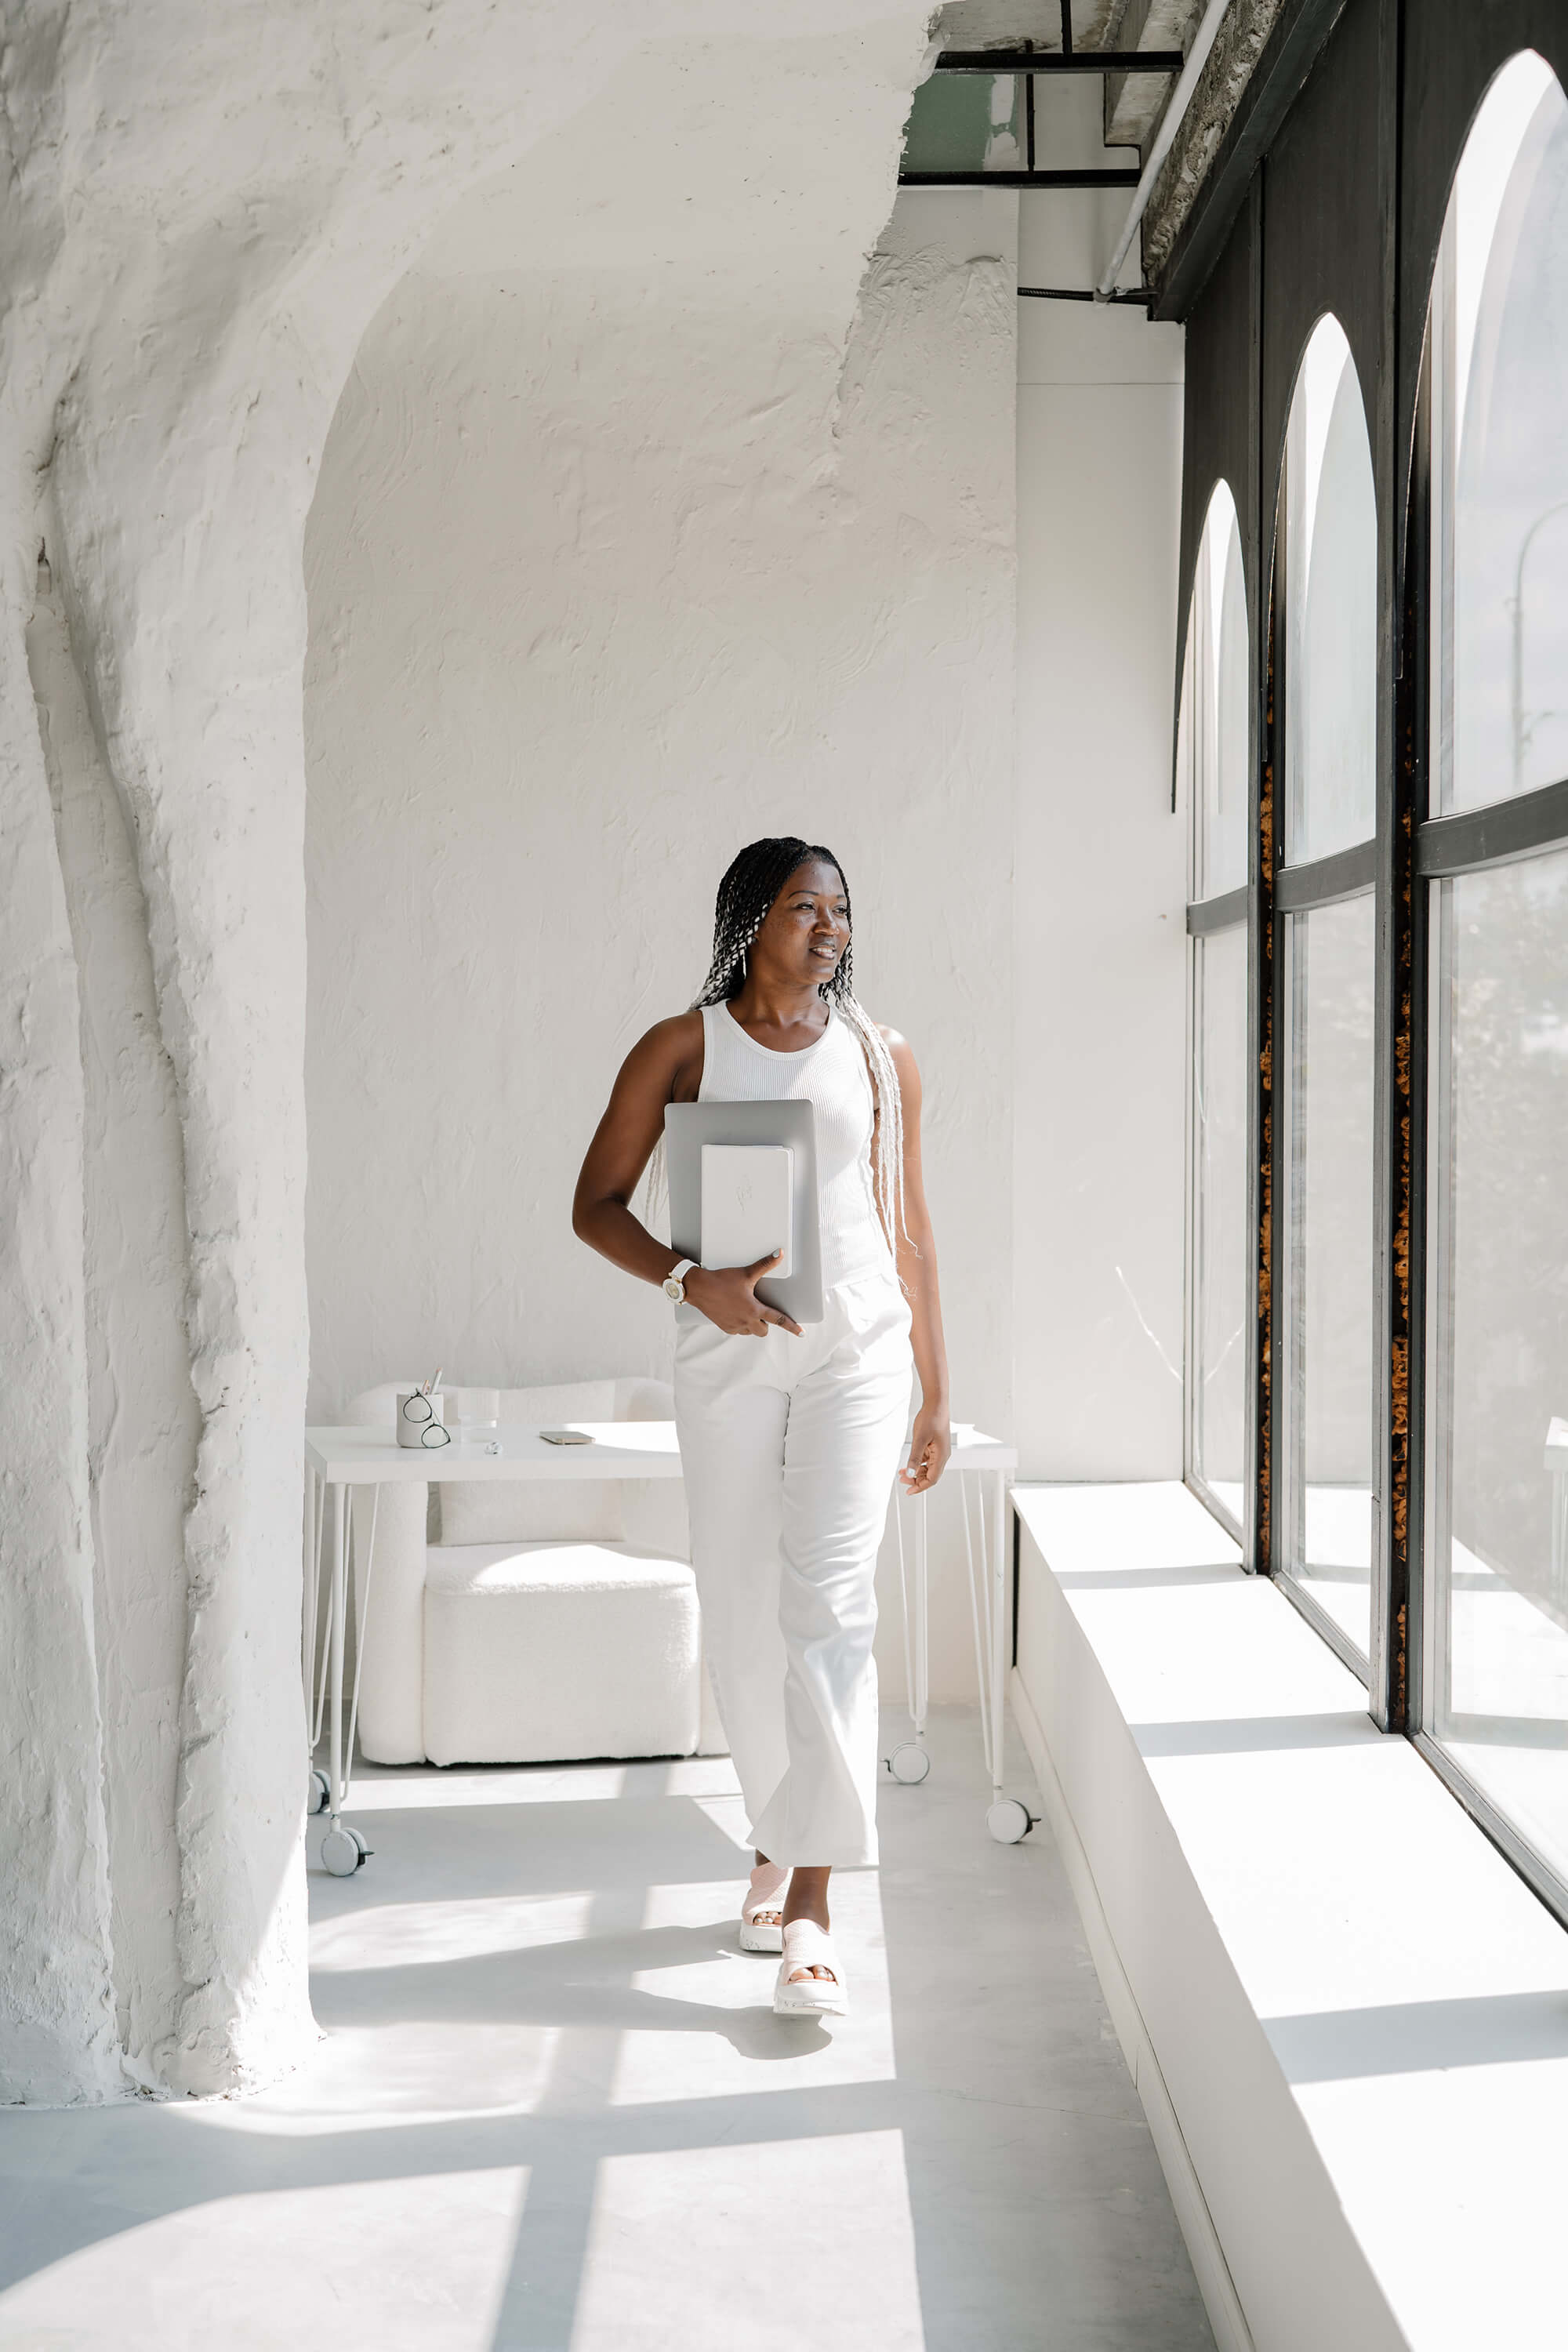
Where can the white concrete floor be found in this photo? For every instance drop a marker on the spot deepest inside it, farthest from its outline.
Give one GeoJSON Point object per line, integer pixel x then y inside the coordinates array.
{"type": "Point", "coordinates": [552, 2111]}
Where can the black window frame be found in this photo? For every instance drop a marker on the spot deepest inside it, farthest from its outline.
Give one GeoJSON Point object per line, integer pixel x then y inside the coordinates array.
{"type": "Point", "coordinates": [1329, 191]}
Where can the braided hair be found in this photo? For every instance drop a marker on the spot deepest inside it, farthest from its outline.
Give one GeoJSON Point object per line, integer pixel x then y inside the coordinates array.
{"type": "Point", "coordinates": [746, 895]}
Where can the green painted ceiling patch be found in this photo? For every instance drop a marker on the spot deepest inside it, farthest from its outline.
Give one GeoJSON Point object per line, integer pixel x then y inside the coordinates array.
{"type": "Point", "coordinates": [952, 125]}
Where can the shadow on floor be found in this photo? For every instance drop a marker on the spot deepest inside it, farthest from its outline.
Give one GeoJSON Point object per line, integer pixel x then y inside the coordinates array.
{"type": "Point", "coordinates": [554, 2112]}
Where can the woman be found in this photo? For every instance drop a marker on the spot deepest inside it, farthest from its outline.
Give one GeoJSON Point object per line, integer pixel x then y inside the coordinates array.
{"type": "Point", "coordinates": [790, 1438]}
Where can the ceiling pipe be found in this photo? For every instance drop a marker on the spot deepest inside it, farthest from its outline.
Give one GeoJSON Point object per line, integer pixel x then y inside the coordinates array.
{"type": "Point", "coordinates": [1170, 123]}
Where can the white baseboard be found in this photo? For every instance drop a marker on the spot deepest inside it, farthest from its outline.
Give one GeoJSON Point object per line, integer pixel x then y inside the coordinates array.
{"type": "Point", "coordinates": [1210, 2268]}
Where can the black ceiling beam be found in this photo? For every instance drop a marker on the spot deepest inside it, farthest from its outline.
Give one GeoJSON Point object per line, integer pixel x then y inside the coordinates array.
{"type": "Point", "coordinates": [1087, 294]}
{"type": "Point", "coordinates": [1115, 176]}
{"type": "Point", "coordinates": [1055, 61]}
{"type": "Point", "coordinates": [1277, 82]}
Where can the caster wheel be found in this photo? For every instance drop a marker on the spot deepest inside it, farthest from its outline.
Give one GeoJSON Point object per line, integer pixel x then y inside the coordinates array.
{"type": "Point", "coordinates": [1008, 1820]}
{"type": "Point", "coordinates": [343, 1851]}
{"type": "Point", "coordinates": [909, 1763]}
{"type": "Point", "coordinates": [318, 1793]}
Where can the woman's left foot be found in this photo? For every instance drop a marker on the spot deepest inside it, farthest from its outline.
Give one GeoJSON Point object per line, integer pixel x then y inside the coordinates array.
{"type": "Point", "coordinates": [762, 1912]}
{"type": "Point", "coordinates": [810, 1980]}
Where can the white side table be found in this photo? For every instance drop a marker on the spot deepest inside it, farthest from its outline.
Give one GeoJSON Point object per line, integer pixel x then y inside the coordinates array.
{"type": "Point", "coordinates": [982, 1465]}
{"type": "Point", "coordinates": [338, 1459]}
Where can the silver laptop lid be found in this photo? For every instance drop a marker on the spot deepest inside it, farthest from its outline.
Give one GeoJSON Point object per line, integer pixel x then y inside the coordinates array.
{"type": "Point", "coordinates": [689, 1126]}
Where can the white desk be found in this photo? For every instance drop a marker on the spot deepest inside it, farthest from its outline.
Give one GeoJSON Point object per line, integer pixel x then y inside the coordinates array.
{"type": "Point", "coordinates": [338, 1459]}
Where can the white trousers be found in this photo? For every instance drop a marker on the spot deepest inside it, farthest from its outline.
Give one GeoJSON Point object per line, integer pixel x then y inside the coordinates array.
{"type": "Point", "coordinates": [790, 1448]}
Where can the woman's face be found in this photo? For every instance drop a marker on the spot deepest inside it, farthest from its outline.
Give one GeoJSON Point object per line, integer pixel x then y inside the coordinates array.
{"type": "Point", "coordinates": [806, 928]}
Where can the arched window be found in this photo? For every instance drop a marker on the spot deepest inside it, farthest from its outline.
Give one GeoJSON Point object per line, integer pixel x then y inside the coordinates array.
{"type": "Point", "coordinates": [1213, 759]}
{"type": "Point", "coordinates": [1214, 708]}
{"type": "Point", "coordinates": [1331, 605]}
{"type": "Point", "coordinates": [1323, 1398]}
{"type": "Point", "coordinates": [1500, 418]}
{"type": "Point", "coordinates": [1494, 1691]}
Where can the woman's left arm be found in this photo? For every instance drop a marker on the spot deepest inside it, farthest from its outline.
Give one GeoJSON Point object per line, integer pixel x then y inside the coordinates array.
{"type": "Point", "coordinates": [915, 1254]}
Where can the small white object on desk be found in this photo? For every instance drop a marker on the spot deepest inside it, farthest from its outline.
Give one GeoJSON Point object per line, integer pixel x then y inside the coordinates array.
{"type": "Point", "coordinates": [421, 1419]}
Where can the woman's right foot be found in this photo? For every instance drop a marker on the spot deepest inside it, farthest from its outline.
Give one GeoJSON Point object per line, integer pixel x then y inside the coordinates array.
{"type": "Point", "coordinates": [810, 1980]}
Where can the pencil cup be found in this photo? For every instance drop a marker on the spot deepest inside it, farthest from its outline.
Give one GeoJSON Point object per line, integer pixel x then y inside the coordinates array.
{"type": "Point", "coordinates": [421, 1419]}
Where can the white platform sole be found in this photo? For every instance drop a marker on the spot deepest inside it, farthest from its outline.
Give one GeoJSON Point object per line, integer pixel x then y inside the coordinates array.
{"type": "Point", "coordinates": [812, 1996]}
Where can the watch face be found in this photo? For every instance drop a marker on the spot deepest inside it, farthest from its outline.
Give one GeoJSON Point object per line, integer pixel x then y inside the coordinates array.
{"type": "Point", "coordinates": [673, 1290]}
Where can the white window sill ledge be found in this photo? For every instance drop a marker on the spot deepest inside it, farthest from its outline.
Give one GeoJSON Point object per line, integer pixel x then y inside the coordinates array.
{"type": "Point", "coordinates": [1347, 2015]}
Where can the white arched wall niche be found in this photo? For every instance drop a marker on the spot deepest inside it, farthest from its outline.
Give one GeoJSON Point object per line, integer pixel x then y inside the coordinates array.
{"type": "Point", "coordinates": [188, 273]}
{"type": "Point", "coordinates": [628, 547]}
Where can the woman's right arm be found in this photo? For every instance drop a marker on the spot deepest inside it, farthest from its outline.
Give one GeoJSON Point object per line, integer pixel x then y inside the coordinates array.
{"type": "Point", "coordinates": [623, 1145]}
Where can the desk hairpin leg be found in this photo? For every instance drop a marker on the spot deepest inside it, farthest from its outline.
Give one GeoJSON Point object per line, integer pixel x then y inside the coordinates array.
{"type": "Point", "coordinates": [908, 1761]}
{"type": "Point", "coordinates": [343, 1850]}
{"type": "Point", "coordinates": [979, 1616]}
{"type": "Point", "coordinates": [1007, 1819]}
{"type": "Point", "coordinates": [318, 1789]}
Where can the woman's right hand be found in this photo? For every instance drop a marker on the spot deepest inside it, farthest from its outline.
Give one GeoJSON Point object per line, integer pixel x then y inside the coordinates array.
{"type": "Point", "coordinates": [727, 1295]}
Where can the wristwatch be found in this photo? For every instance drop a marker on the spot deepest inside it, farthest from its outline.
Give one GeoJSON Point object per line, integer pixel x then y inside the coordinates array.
{"type": "Point", "coordinates": [675, 1281]}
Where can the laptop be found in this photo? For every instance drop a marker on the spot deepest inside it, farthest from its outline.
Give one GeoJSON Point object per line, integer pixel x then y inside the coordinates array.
{"type": "Point", "coordinates": [742, 1181]}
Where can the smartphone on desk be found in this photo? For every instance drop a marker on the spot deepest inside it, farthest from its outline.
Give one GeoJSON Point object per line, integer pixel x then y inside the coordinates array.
{"type": "Point", "coordinates": [566, 1437]}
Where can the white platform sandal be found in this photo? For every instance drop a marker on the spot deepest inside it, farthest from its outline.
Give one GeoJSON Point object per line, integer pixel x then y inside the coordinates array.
{"type": "Point", "coordinates": [762, 1912]}
{"type": "Point", "coordinates": [807, 1945]}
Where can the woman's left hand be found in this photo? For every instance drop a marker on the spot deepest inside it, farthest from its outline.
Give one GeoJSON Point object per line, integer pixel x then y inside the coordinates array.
{"type": "Point", "coordinates": [929, 1449]}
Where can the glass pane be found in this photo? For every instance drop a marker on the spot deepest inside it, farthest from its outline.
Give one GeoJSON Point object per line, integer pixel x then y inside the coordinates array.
{"type": "Point", "coordinates": [1215, 706]}
{"type": "Point", "coordinates": [1326, 1265]}
{"type": "Point", "coordinates": [1221, 1287]}
{"type": "Point", "coordinates": [1497, 1683]}
{"type": "Point", "coordinates": [1499, 330]}
{"type": "Point", "coordinates": [1331, 606]}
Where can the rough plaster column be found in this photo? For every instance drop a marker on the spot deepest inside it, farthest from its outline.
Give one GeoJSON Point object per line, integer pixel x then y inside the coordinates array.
{"type": "Point", "coordinates": [142, 1406]}
{"type": "Point", "coordinates": [54, 1964]}
{"type": "Point", "coordinates": [202, 731]}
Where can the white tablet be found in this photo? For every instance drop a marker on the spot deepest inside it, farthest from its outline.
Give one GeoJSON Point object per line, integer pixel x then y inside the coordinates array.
{"type": "Point", "coordinates": [741, 1202]}
{"type": "Point", "coordinates": [748, 1205]}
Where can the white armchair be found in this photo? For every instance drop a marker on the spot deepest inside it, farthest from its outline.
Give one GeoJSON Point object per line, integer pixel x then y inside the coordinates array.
{"type": "Point", "coordinates": [521, 1621]}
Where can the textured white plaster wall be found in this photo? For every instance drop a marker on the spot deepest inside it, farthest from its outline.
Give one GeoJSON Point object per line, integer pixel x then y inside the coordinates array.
{"type": "Point", "coordinates": [617, 560]}
{"type": "Point", "coordinates": [205, 212]}
{"type": "Point", "coordinates": [1099, 919]}
{"type": "Point", "coordinates": [143, 1418]}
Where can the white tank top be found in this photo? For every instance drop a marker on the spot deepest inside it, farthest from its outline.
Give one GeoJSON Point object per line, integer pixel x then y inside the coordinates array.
{"type": "Point", "coordinates": [832, 1076]}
